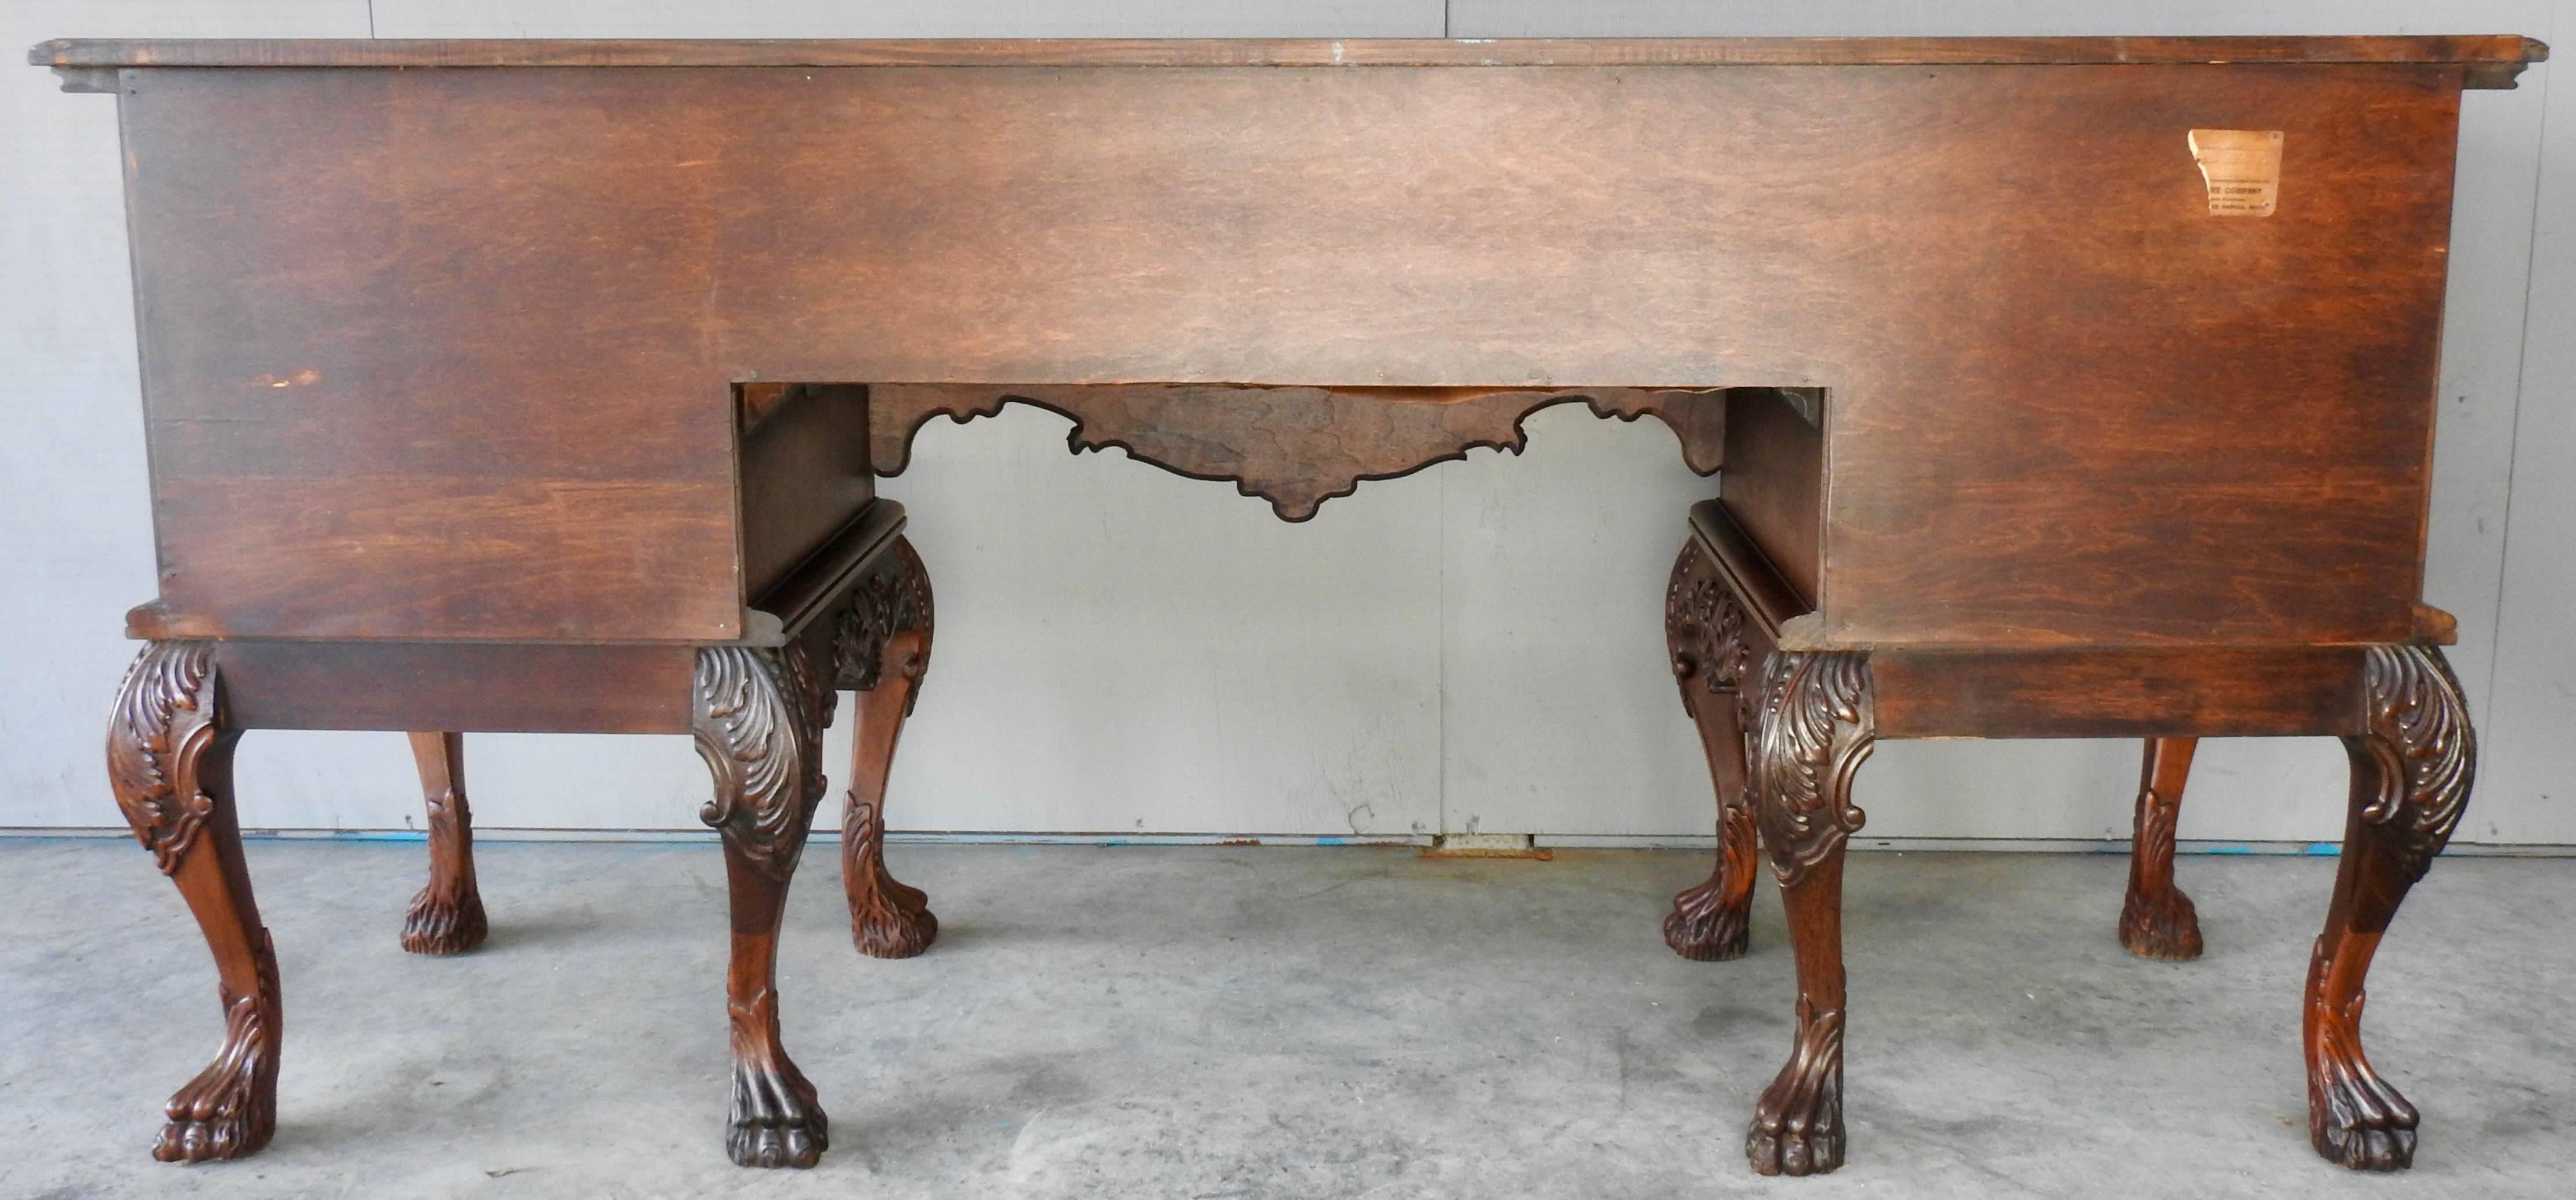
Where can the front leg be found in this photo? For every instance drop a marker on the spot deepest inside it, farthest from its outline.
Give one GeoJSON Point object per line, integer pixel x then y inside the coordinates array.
{"type": "Point", "coordinates": [170, 760]}
{"type": "Point", "coordinates": [759, 725]}
{"type": "Point", "coordinates": [2411, 773]}
{"type": "Point", "coordinates": [447, 916]}
{"type": "Point", "coordinates": [1817, 725]}
{"type": "Point", "coordinates": [882, 651]}
{"type": "Point", "coordinates": [2157, 920]}
{"type": "Point", "coordinates": [1705, 631]}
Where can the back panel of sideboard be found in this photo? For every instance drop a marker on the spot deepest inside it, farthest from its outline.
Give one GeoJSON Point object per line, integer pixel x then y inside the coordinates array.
{"type": "Point", "coordinates": [450, 353]}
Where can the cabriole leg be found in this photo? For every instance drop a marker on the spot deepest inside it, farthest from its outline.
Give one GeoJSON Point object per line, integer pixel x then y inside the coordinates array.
{"type": "Point", "coordinates": [1705, 631]}
{"type": "Point", "coordinates": [2157, 920]}
{"type": "Point", "coordinates": [447, 916]}
{"type": "Point", "coordinates": [170, 760]}
{"type": "Point", "coordinates": [759, 725]}
{"type": "Point", "coordinates": [1816, 727]}
{"type": "Point", "coordinates": [2410, 782]}
{"type": "Point", "coordinates": [883, 650]}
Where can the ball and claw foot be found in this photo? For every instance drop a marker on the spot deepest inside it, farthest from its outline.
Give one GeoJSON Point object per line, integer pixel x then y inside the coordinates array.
{"type": "Point", "coordinates": [1798, 1125]}
{"type": "Point", "coordinates": [2166, 928]}
{"type": "Point", "coordinates": [1703, 927]}
{"type": "Point", "coordinates": [777, 1121]}
{"type": "Point", "coordinates": [438, 924]}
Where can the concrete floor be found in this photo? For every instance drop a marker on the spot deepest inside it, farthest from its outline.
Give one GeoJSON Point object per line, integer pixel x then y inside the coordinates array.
{"type": "Point", "coordinates": [1222, 1022]}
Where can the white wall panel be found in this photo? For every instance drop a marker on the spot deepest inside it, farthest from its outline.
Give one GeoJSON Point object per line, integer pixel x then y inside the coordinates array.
{"type": "Point", "coordinates": [2527, 791]}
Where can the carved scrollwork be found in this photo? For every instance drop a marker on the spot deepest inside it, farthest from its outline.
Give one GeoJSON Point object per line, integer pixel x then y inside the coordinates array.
{"type": "Point", "coordinates": [759, 726]}
{"type": "Point", "coordinates": [1709, 635]}
{"type": "Point", "coordinates": [1817, 725]}
{"type": "Point", "coordinates": [2419, 732]}
{"type": "Point", "coordinates": [1705, 627]}
{"type": "Point", "coordinates": [167, 718]}
{"type": "Point", "coordinates": [1293, 446]}
{"type": "Point", "coordinates": [894, 597]}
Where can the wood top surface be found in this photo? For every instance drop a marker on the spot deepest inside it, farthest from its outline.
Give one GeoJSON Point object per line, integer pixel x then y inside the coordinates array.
{"type": "Point", "coordinates": [2489, 51]}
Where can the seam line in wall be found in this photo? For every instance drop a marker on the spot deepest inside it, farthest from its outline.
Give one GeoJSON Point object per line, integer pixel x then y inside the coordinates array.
{"type": "Point", "coordinates": [2521, 377]}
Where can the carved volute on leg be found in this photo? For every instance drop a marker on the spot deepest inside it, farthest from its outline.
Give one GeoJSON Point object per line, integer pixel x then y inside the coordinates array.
{"type": "Point", "coordinates": [759, 726]}
{"type": "Point", "coordinates": [2411, 775]}
{"type": "Point", "coordinates": [169, 758]}
{"type": "Point", "coordinates": [1816, 726]}
{"type": "Point", "coordinates": [447, 916]}
{"type": "Point", "coordinates": [1708, 633]}
{"type": "Point", "coordinates": [2157, 920]}
{"type": "Point", "coordinates": [883, 649]}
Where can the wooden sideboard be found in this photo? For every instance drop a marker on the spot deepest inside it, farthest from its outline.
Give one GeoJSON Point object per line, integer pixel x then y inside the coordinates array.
{"type": "Point", "coordinates": [2062, 387]}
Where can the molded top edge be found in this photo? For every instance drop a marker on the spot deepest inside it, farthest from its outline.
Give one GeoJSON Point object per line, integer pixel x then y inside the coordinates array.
{"type": "Point", "coordinates": [2489, 52]}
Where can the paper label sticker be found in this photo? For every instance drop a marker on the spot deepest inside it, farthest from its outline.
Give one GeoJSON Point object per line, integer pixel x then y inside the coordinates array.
{"type": "Point", "coordinates": [2242, 168]}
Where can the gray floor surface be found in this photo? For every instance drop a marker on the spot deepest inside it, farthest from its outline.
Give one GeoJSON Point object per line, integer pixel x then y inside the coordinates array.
{"type": "Point", "coordinates": [1249, 1022]}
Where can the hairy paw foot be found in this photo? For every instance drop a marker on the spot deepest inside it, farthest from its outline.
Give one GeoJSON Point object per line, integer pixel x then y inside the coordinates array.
{"type": "Point", "coordinates": [898, 925]}
{"type": "Point", "coordinates": [1798, 1125]}
{"type": "Point", "coordinates": [1703, 927]}
{"type": "Point", "coordinates": [437, 924]}
{"type": "Point", "coordinates": [2358, 1121]}
{"type": "Point", "coordinates": [777, 1122]}
{"type": "Point", "coordinates": [230, 1108]}
{"type": "Point", "coordinates": [2167, 928]}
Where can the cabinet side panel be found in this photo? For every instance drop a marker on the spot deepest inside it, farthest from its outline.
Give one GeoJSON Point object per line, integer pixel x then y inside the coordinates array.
{"type": "Point", "coordinates": [1773, 482]}
{"type": "Point", "coordinates": [2145, 421]}
{"type": "Point", "coordinates": [403, 378]}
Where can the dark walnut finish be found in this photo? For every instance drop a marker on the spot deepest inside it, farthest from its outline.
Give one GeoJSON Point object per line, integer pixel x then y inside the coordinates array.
{"type": "Point", "coordinates": [881, 652]}
{"type": "Point", "coordinates": [756, 710]}
{"type": "Point", "coordinates": [2156, 919]}
{"type": "Point", "coordinates": [1796, 743]}
{"type": "Point", "coordinates": [549, 390]}
{"type": "Point", "coordinates": [1293, 446]}
{"type": "Point", "coordinates": [447, 916]}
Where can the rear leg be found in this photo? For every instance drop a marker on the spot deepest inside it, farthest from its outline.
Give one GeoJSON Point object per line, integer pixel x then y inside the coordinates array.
{"type": "Point", "coordinates": [1705, 629]}
{"type": "Point", "coordinates": [447, 916]}
{"type": "Point", "coordinates": [2157, 920]}
{"type": "Point", "coordinates": [883, 651]}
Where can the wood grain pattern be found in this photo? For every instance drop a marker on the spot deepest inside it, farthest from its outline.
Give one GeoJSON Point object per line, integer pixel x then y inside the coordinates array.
{"type": "Point", "coordinates": [2499, 56]}
{"type": "Point", "coordinates": [1775, 482]}
{"type": "Point", "coordinates": [2109, 463]}
{"type": "Point", "coordinates": [804, 476]}
{"type": "Point", "coordinates": [479, 687]}
{"type": "Point", "coordinates": [1293, 446]}
{"type": "Point", "coordinates": [2115, 691]}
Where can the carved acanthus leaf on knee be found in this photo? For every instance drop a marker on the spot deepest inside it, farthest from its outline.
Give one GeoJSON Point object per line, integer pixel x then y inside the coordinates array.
{"type": "Point", "coordinates": [759, 727]}
{"type": "Point", "coordinates": [1817, 727]}
{"type": "Point", "coordinates": [894, 597]}
{"type": "Point", "coordinates": [1705, 628]}
{"type": "Point", "coordinates": [2419, 727]}
{"type": "Point", "coordinates": [167, 716]}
